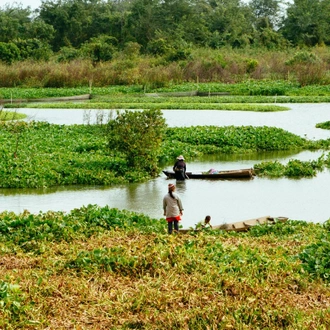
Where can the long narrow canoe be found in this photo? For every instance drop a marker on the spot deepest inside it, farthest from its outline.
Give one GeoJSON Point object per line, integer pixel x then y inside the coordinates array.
{"type": "Point", "coordinates": [242, 225]}
{"type": "Point", "coordinates": [247, 224]}
{"type": "Point", "coordinates": [233, 174]}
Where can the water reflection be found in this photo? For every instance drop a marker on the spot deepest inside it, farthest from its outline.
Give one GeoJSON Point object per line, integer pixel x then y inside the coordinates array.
{"type": "Point", "coordinates": [181, 186]}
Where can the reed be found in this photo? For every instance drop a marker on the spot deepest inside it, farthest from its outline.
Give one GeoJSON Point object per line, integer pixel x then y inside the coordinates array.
{"type": "Point", "coordinates": [203, 65]}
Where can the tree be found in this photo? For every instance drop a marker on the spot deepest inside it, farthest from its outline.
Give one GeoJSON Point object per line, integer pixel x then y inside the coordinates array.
{"type": "Point", "coordinates": [77, 21]}
{"type": "Point", "coordinates": [308, 22]}
{"type": "Point", "coordinates": [138, 135]}
{"type": "Point", "coordinates": [229, 23]}
{"type": "Point", "coordinates": [99, 49]}
{"type": "Point", "coordinates": [13, 22]}
{"type": "Point", "coordinates": [266, 12]}
{"type": "Point", "coordinates": [9, 52]}
{"type": "Point", "coordinates": [33, 49]}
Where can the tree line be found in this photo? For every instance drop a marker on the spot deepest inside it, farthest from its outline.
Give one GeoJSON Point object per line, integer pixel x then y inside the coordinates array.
{"type": "Point", "coordinates": [96, 29]}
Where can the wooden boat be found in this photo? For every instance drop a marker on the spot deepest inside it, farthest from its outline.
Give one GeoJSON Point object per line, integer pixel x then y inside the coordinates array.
{"type": "Point", "coordinates": [247, 224]}
{"type": "Point", "coordinates": [233, 174]}
{"type": "Point", "coordinates": [49, 99]}
{"type": "Point", "coordinates": [242, 225]}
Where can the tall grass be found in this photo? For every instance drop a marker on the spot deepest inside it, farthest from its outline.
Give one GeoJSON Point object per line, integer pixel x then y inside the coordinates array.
{"type": "Point", "coordinates": [203, 65]}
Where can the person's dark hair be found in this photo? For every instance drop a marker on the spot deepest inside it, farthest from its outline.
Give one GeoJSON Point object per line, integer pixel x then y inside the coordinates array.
{"type": "Point", "coordinates": [171, 188]}
{"type": "Point", "coordinates": [207, 218]}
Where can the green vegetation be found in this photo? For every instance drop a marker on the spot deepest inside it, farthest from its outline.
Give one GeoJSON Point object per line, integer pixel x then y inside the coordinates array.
{"type": "Point", "coordinates": [325, 125]}
{"type": "Point", "coordinates": [293, 169]}
{"type": "Point", "coordinates": [125, 272]}
{"type": "Point", "coordinates": [233, 139]}
{"type": "Point", "coordinates": [80, 154]}
{"type": "Point", "coordinates": [243, 96]}
{"type": "Point", "coordinates": [138, 136]}
{"type": "Point", "coordinates": [256, 88]}
{"type": "Point", "coordinates": [144, 104]}
{"type": "Point", "coordinates": [59, 155]}
{"type": "Point", "coordinates": [169, 30]}
{"type": "Point", "coordinates": [105, 268]}
{"type": "Point", "coordinates": [11, 115]}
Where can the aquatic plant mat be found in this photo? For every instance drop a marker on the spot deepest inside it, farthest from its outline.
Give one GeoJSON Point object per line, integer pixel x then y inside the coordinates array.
{"type": "Point", "coordinates": [101, 268]}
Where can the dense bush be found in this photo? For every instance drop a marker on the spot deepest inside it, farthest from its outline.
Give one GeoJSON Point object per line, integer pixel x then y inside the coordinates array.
{"type": "Point", "coordinates": [315, 258]}
{"type": "Point", "coordinates": [293, 169]}
{"type": "Point", "coordinates": [138, 136]}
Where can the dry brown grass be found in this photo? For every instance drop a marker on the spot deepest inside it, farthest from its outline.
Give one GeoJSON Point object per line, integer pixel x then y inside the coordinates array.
{"type": "Point", "coordinates": [208, 296]}
{"type": "Point", "coordinates": [223, 65]}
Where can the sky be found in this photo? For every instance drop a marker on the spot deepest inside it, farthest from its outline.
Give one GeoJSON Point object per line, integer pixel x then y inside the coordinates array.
{"type": "Point", "coordinates": [36, 3]}
{"type": "Point", "coordinates": [25, 3]}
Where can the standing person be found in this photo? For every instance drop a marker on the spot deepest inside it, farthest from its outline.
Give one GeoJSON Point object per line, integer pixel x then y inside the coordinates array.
{"type": "Point", "coordinates": [173, 209]}
{"type": "Point", "coordinates": [179, 168]}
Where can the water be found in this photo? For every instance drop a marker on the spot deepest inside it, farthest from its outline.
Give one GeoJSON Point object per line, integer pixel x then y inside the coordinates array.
{"type": "Point", "coordinates": [225, 200]}
{"type": "Point", "coordinates": [300, 120]}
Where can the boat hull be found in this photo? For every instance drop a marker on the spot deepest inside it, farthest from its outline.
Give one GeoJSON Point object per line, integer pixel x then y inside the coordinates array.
{"type": "Point", "coordinates": [234, 174]}
{"type": "Point", "coordinates": [242, 226]}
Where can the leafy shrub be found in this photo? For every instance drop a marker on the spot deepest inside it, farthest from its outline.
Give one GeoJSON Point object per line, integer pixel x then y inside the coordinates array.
{"type": "Point", "coordinates": [303, 57]}
{"type": "Point", "coordinates": [67, 54]}
{"type": "Point", "coordinates": [33, 49]}
{"type": "Point", "coordinates": [10, 300]}
{"type": "Point", "coordinates": [270, 168]}
{"type": "Point", "coordinates": [251, 65]}
{"type": "Point", "coordinates": [298, 168]}
{"type": "Point", "coordinates": [99, 49]}
{"type": "Point", "coordinates": [9, 52]}
{"type": "Point", "coordinates": [279, 228]}
{"type": "Point", "coordinates": [29, 231]}
{"type": "Point", "coordinates": [295, 168]}
{"type": "Point", "coordinates": [138, 135]}
{"type": "Point", "coordinates": [158, 46]}
{"type": "Point", "coordinates": [315, 258]}
{"type": "Point", "coordinates": [324, 125]}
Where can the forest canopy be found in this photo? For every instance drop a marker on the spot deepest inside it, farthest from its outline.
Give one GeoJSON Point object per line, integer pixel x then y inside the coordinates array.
{"type": "Point", "coordinates": [96, 29]}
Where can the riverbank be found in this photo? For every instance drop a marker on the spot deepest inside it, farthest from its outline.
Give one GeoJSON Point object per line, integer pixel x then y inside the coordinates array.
{"type": "Point", "coordinates": [120, 269]}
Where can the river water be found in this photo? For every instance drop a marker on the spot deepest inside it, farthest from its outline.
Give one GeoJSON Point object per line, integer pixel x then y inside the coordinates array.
{"type": "Point", "coordinates": [225, 200]}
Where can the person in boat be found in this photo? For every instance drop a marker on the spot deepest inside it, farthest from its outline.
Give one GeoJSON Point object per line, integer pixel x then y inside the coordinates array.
{"type": "Point", "coordinates": [173, 209]}
{"type": "Point", "coordinates": [212, 171]}
{"type": "Point", "coordinates": [205, 224]}
{"type": "Point", "coordinates": [179, 168]}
